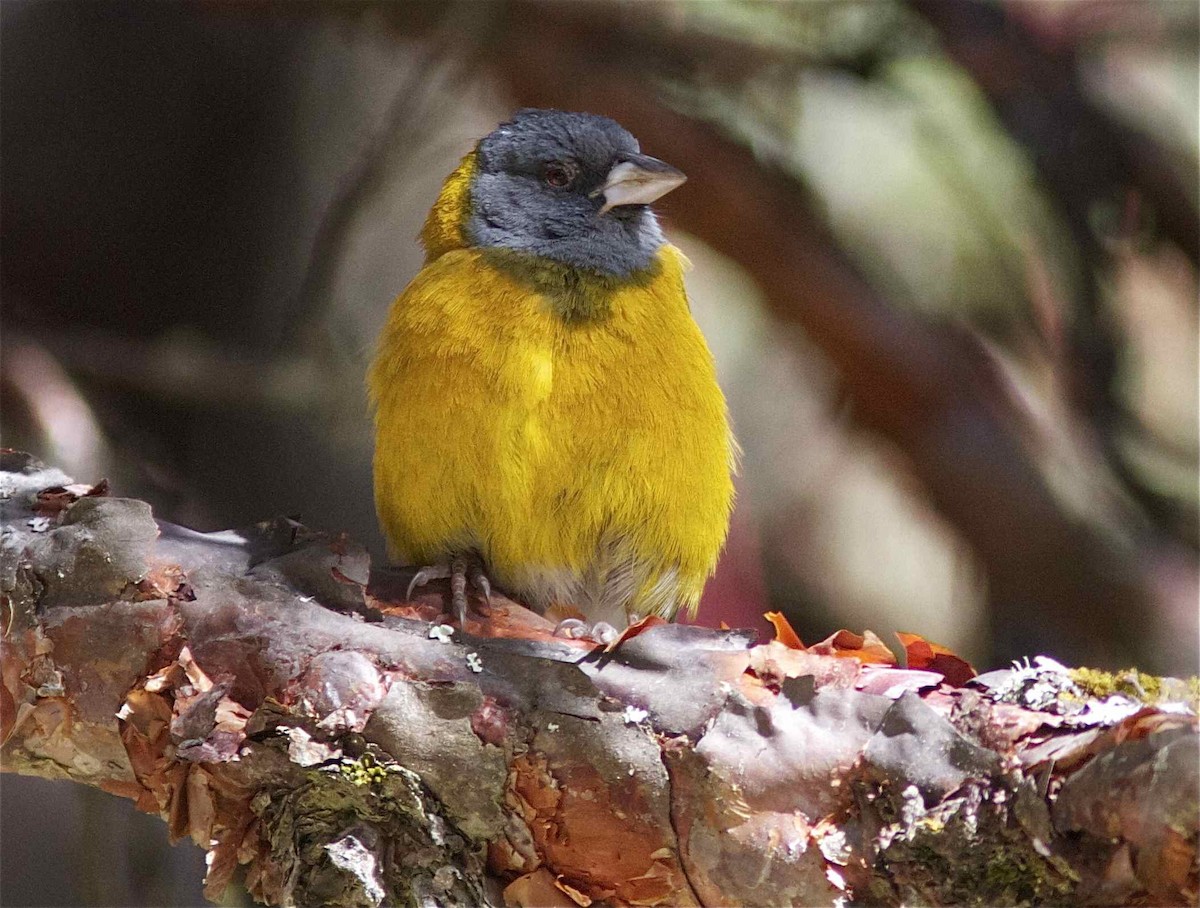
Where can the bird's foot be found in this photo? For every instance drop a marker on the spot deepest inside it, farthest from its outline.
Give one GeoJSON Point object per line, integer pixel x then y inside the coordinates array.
{"type": "Point", "coordinates": [572, 628]}
{"type": "Point", "coordinates": [461, 571]}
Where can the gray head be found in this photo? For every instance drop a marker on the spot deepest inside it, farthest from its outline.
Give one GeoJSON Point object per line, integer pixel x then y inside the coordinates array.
{"type": "Point", "coordinates": [570, 187]}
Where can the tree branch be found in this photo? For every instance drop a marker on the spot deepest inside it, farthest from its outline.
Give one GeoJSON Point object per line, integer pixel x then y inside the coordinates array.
{"type": "Point", "coordinates": [256, 693]}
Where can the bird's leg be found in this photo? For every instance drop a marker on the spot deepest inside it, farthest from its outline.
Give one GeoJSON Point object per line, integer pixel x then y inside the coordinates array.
{"type": "Point", "coordinates": [458, 588]}
{"type": "Point", "coordinates": [463, 570]}
{"type": "Point", "coordinates": [482, 585]}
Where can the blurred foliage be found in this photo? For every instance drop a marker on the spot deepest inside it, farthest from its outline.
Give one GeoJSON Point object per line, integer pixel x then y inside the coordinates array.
{"type": "Point", "coordinates": [842, 32]}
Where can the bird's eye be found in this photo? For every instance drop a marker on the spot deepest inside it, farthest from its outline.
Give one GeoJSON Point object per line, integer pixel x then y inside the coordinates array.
{"type": "Point", "coordinates": [559, 174]}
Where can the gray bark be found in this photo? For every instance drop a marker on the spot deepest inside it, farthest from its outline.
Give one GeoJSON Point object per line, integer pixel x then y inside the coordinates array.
{"type": "Point", "coordinates": [333, 746]}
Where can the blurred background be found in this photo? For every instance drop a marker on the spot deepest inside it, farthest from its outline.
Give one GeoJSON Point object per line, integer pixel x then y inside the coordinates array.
{"type": "Point", "coordinates": [945, 253]}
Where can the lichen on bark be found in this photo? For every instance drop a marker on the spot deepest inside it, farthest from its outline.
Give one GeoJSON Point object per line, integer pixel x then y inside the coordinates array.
{"type": "Point", "coordinates": [357, 834]}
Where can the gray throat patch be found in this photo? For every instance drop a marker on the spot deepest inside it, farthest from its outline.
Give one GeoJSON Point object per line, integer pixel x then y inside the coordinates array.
{"type": "Point", "coordinates": [578, 295]}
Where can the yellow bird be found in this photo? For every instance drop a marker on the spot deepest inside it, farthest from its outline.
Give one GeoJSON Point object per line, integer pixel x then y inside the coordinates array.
{"type": "Point", "coordinates": [547, 414]}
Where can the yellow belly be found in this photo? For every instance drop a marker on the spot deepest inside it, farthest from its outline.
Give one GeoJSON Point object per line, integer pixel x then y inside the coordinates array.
{"type": "Point", "coordinates": [589, 462]}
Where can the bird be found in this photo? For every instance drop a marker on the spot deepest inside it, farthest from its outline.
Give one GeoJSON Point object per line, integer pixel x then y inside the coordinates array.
{"type": "Point", "coordinates": [546, 409]}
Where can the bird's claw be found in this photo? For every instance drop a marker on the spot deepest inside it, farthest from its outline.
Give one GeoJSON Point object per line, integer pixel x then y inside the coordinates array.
{"type": "Point", "coordinates": [573, 629]}
{"type": "Point", "coordinates": [424, 575]}
{"type": "Point", "coordinates": [604, 633]}
{"type": "Point", "coordinates": [480, 582]}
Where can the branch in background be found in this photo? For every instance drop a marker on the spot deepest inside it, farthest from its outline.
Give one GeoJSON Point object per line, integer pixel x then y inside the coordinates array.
{"type": "Point", "coordinates": [229, 683]}
{"type": "Point", "coordinates": [46, 408]}
{"type": "Point", "coordinates": [932, 391]}
{"type": "Point", "coordinates": [185, 367]}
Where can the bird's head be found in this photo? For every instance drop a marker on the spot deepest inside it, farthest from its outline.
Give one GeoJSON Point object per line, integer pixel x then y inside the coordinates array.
{"type": "Point", "coordinates": [573, 188]}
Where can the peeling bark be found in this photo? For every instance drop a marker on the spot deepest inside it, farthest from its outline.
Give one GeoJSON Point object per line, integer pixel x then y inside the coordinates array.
{"type": "Point", "coordinates": [337, 746]}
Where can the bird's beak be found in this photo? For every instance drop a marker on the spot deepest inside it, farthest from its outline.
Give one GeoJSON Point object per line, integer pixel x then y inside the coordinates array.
{"type": "Point", "coordinates": [638, 179]}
